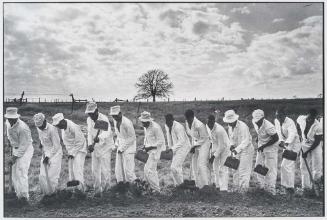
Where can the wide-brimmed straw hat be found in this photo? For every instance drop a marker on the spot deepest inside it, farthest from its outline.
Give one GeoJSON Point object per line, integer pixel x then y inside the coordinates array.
{"type": "Point", "coordinates": [114, 110]}
{"type": "Point", "coordinates": [39, 119]}
{"type": "Point", "coordinates": [57, 118]}
{"type": "Point", "coordinates": [145, 117]}
{"type": "Point", "coordinates": [257, 115]}
{"type": "Point", "coordinates": [11, 112]}
{"type": "Point", "coordinates": [91, 107]}
{"type": "Point", "coordinates": [230, 116]}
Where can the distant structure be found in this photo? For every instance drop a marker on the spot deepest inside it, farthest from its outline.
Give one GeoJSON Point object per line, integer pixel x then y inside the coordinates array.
{"type": "Point", "coordinates": [20, 100]}
{"type": "Point", "coordinates": [76, 100]}
{"type": "Point", "coordinates": [120, 100]}
{"type": "Point", "coordinates": [137, 97]}
{"type": "Point", "coordinates": [320, 95]}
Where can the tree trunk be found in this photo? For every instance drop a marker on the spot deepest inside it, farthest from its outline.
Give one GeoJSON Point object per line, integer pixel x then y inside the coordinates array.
{"type": "Point", "coordinates": [154, 98]}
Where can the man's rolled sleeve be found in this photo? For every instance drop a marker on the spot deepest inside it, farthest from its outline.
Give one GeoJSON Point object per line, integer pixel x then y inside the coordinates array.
{"type": "Point", "coordinates": [271, 130]}
{"type": "Point", "coordinates": [319, 130]}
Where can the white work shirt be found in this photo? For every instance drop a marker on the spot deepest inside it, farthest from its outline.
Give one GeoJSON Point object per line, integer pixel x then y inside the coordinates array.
{"type": "Point", "coordinates": [50, 140]}
{"type": "Point", "coordinates": [106, 141]}
{"type": "Point", "coordinates": [126, 138]}
{"type": "Point", "coordinates": [287, 132]}
{"type": "Point", "coordinates": [219, 139]}
{"type": "Point", "coordinates": [240, 136]}
{"type": "Point", "coordinates": [266, 130]}
{"type": "Point", "coordinates": [19, 136]}
{"type": "Point", "coordinates": [154, 136]}
{"type": "Point", "coordinates": [316, 129]}
{"type": "Point", "coordinates": [177, 137]}
{"type": "Point", "coordinates": [198, 132]}
{"type": "Point", "coordinates": [73, 138]}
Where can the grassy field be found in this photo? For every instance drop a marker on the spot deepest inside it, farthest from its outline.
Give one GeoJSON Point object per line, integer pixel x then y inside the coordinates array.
{"type": "Point", "coordinates": [233, 205]}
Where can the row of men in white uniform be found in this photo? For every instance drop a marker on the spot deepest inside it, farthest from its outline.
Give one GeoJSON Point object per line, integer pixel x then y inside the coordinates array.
{"type": "Point", "coordinates": [209, 143]}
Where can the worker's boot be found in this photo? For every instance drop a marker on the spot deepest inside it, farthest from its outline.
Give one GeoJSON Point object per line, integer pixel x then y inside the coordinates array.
{"type": "Point", "coordinates": [64, 195]}
{"type": "Point", "coordinates": [98, 195]}
{"type": "Point", "coordinates": [307, 192]}
{"type": "Point", "coordinates": [223, 192]}
{"type": "Point", "coordinates": [11, 200]}
{"type": "Point", "coordinates": [127, 186]}
{"type": "Point", "coordinates": [21, 202]}
{"type": "Point", "coordinates": [45, 199]}
{"type": "Point", "coordinates": [270, 190]}
{"type": "Point", "coordinates": [106, 188]}
{"type": "Point", "coordinates": [79, 194]}
{"type": "Point", "coordinates": [290, 193]}
{"type": "Point", "coordinates": [121, 187]}
{"type": "Point", "coordinates": [11, 195]}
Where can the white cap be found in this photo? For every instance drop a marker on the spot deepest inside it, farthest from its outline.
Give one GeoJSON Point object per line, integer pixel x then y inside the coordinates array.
{"type": "Point", "coordinates": [11, 112]}
{"type": "Point", "coordinates": [230, 116]}
{"type": "Point", "coordinates": [114, 110]}
{"type": "Point", "coordinates": [39, 119]}
{"type": "Point", "coordinates": [145, 117]}
{"type": "Point", "coordinates": [90, 107]}
{"type": "Point", "coordinates": [257, 115]}
{"type": "Point", "coordinates": [57, 118]}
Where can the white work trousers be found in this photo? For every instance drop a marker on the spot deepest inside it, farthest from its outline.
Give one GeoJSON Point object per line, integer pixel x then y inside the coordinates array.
{"type": "Point", "coordinates": [241, 177]}
{"type": "Point", "coordinates": [101, 167]}
{"type": "Point", "coordinates": [287, 167]}
{"type": "Point", "coordinates": [269, 160]}
{"type": "Point", "coordinates": [78, 169]}
{"type": "Point", "coordinates": [314, 160]}
{"type": "Point", "coordinates": [20, 173]}
{"type": "Point", "coordinates": [200, 167]}
{"type": "Point", "coordinates": [125, 167]}
{"type": "Point", "coordinates": [177, 164]}
{"type": "Point", "coordinates": [54, 169]}
{"type": "Point", "coordinates": [150, 169]}
{"type": "Point", "coordinates": [221, 171]}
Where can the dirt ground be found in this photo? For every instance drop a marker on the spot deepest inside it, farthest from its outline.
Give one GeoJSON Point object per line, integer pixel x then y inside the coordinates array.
{"type": "Point", "coordinates": [175, 204]}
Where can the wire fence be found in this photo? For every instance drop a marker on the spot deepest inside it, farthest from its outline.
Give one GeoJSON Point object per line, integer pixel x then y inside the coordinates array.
{"type": "Point", "coordinates": [60, 100]}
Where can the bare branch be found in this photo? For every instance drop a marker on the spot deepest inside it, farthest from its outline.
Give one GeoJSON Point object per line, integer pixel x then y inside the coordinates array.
{"type": "Point", "coordinates": [154, 83]}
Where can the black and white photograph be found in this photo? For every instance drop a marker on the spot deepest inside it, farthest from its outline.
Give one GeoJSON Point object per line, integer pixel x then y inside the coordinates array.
{"type": "Point", "coordinates": [163, 109]}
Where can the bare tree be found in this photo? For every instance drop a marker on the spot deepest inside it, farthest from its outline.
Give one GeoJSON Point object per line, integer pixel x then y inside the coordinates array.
{"type": "Point", "coordinates": [154, 83]}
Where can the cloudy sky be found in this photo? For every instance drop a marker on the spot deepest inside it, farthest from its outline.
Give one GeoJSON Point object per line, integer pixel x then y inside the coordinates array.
{"type": "Point", "coordinates": [210, 51]}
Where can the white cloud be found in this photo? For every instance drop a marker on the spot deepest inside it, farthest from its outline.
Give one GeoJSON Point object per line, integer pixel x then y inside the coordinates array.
{"type": "Point", "coordinates": [100, 49]}
{"type": "Point", "coordinates": [242, 10]}
{"type": "Point", "coordinates": [278, 20]}
{"type": "Point", "coordinates": [282, 58]}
